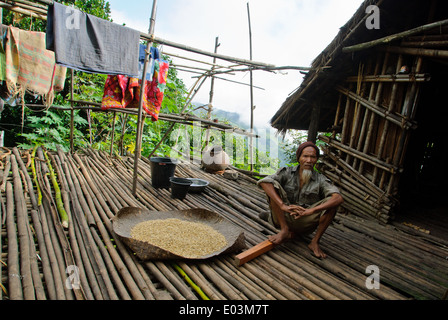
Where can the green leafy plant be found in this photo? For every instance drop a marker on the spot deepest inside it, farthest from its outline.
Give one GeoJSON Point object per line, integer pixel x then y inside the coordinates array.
{"type": "Point", "coordinates": [52, 130]}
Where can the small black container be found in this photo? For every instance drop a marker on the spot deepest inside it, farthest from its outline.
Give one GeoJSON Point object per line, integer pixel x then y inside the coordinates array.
{"type": "Point", "coordinates": [162, 169]}
{"type": "Point", "coordinates": [179, 187]}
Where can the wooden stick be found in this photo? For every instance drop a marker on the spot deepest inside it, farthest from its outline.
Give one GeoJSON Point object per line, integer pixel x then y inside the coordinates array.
{"type": "Point", "coordinates": [254, 252]}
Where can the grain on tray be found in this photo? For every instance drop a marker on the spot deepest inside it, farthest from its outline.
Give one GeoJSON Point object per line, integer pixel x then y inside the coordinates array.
{"type": "Point", "coordinates": [184, 238]}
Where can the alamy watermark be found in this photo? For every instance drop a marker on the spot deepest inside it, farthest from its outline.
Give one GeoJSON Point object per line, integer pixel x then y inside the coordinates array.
{"type": "Point", "coordinates": [73, 280]}
{"type": "Point", "coordinates": [373, 280]}
{"type": "Point", "coordinates": [73, 21]}
{"type": "Point", "coordinates": [373, 20]}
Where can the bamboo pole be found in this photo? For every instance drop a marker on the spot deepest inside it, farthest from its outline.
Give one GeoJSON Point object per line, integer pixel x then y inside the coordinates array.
{"type": "Point", "coordinates": [394, 37]}
{"type": "Point", "coordinates": [166, 283]}
{"type": "Point", "coordinates": [14, 280]}
{"type": "Point", "coordinates": [182, 119]}
{"type": "Point", "coordinates": [103, 284]}
{"type": "Point", "coordinates": [210, 101]}
{"type": "Point", "coordinates": [346, 122]}
{"type": "Point", "coordinates": [58, 195]}
{"type": "Point", "coordinates": [19, 8]}
{"type": "Point", "coordinates": [252, 107]}
{"type": "Point", "coordinates": [77, 249]}
{"type": "Point", "coordinates": [386, 124]}
{"type": "Point", "coordinates": [210, 54]}
{"type": "Point", "coordinates": [106, 230]}
{"type": "Point", "coordinates": [251, 290]}
{"type": "Point", "coordinates": [23, 236]}
{"type": "Point", "coordinates": [92, 237]}
{"type": "Point", "coordinates": [394, 78]}
{"type": "Point", "coordinates": [357, 112]}
{"type": "Point", "coordinates": [37, 227]}
{"type": "Point", "coordinates": [421, 52]}
{"type": "Point", "coordinates": [366, 119]}
{"type": "Point", "coordinates": [398, 120]}
{"type": "Point", "coordinates": [52, 247]}
{"type": "Point", "coordinates": [378, 95]}
{"type": "Point", "coordinates": [142, 94]}
{"type": "Point", "coordinates": [190, 282]}
{"type": "Point", "coordinates": [365, 157]}
{"type": "Point", "coordinates": [193, 272]}
{"type": "Point", "coordinates": [72, 111]}
{"type": "Point", "coordinates": [113, 133]}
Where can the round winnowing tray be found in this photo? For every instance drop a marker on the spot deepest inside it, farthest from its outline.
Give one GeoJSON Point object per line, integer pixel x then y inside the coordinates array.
{"type": "Point", "coordinates": [129, 217]}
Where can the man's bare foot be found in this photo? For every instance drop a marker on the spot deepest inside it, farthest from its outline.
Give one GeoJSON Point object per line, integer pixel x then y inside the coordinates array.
{"type": "Point", "coordinates": [281, 237]}
{"type": "Point", "coordinates": [317, 251]}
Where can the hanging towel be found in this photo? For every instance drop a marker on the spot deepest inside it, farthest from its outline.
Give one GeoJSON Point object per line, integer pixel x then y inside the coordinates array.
{"type": "Point", "coordinates": [124, 92]}
{"type": "Point", "coordinates": [87, 43]}
{"type": "Point", "coordinates": [30, 67]}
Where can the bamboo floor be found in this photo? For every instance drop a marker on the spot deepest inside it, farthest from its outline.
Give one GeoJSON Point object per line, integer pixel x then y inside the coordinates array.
{"type": "Point", "coordinates": [38, 255]}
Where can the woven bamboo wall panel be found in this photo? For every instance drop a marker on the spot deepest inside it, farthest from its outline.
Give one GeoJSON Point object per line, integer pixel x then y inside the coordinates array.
{"type": "Point", "coordinates": [375, 116]}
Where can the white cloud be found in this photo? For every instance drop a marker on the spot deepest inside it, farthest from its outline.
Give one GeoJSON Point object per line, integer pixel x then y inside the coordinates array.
{"type": "Point", "coordinates": [284, 32]}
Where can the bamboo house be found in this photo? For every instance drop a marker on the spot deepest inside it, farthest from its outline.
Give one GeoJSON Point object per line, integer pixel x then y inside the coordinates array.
{"type": "Point", "coordinates": [376, 95]}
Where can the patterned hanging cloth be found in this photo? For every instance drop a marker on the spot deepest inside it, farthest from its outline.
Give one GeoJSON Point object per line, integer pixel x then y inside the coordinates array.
{"type": "Point", "coordinates": [30, 67]}
{"type": "Point", "coordinates": [124, 92]}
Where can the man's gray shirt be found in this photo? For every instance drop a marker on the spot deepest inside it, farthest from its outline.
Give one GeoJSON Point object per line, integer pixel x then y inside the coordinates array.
{"type": "Point", "coordinates": [286, 181]}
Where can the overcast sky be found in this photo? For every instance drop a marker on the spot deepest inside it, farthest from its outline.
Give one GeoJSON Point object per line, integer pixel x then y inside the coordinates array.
{"type": "Point", "coordinates": [284, 33]}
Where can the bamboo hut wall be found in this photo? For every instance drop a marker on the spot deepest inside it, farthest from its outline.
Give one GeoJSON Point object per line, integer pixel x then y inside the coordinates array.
{"type": "Point", "coordinates": [372, 140]}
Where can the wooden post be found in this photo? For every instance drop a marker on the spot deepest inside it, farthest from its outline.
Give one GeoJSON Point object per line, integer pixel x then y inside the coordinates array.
{"type": "Point", "coordinates": [314, 123]}
{"type": "Point", "coordinates": [138, 142]}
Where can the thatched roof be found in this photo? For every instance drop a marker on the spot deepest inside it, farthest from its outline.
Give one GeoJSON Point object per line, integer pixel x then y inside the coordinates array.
{"type": "Point", "coordinates": [333, 65]}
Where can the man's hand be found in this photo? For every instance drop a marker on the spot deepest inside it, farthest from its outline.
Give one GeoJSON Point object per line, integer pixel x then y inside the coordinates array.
{"type": "Point", "coordinates": [301, 211]}
{"type": "Point", "coordinates": [291, 209]}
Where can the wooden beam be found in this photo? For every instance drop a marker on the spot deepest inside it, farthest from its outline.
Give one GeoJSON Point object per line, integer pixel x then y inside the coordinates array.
{"type": "Point", "coordinates": [393, 37]}
{"type": "Point", "coordinates": [432, 53]}
{"type": "Point", "coordinates": [254, 252]}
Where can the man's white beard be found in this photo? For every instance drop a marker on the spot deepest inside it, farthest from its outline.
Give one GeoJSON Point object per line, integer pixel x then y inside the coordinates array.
{"type": "Point", "coordinates": [305, 176]}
